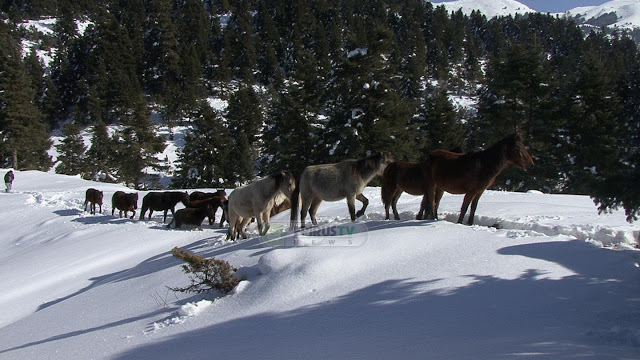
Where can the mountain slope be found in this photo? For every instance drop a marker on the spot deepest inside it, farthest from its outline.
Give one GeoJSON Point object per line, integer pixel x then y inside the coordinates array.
{"type": "Point", "coordinates": [490, 8]}
{"type": "Point", "coordinates": [615, 13]}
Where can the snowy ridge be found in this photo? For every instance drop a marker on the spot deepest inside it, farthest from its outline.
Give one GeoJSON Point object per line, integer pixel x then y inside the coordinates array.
{"type": "Point", "coordinates": [489, 8]}
{"type": "Point", "coordinates": [627, 13]}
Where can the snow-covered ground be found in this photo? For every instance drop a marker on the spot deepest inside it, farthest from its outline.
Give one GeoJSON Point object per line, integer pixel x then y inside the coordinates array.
{"type": "Point", "coordinates": [540, 277]}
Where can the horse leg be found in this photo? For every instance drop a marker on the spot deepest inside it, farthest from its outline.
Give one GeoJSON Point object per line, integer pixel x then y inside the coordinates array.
{"type": "Point", "coordinates": [233, 219]}
{"type": "Point", "coordinates": [304, 209]}
{"type": "Point", "coordinates": [465, 205]}
{"type": "Point", "coordinates": [243, 226]}
{"type": "Point", "coordinates": [394, 204]}
{"type": "Point", "coordinates": [351, 204]}
{"type": "Point", "coordinates": [266, 217]}
{"type": "Point", "coordinates": [438, 197]}
{"type": "Point", "coordinates": [365, 203]}
{"type": "Point", "coordinates": [425, 208]}
{"type": "Point", "coordinates": [474, 205]}
{"type": "Point", "coordinates": [314, 209]}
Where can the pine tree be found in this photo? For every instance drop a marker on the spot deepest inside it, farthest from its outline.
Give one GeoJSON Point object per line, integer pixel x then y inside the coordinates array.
{"type": "Point", "coordinates": [138, 146]}
{"type": "Point", "coordinates": [25, 140]}
{"type": "Point", "coordinates": [444, 129]}
{"type": "Point", "coordinates": [594, 123]}
{"type": "Point", "coordinates": [100, 158]}
{"type": "Point", "coordinates": [204, 160]}
{"type": "Point", "coordinates": [71, 152]}
{"type": "Point", "coordinates": [291, 135]}
{"type": "Point", "coordinates": [244, 115]}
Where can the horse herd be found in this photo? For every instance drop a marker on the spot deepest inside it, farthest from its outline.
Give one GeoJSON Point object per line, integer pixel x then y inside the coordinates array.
{"type": "Point", "coordinates": [467, 173]}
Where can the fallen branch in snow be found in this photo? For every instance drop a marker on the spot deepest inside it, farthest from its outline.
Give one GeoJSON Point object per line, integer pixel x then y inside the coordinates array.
{"type": "Point", "coordinates": [206, 274]}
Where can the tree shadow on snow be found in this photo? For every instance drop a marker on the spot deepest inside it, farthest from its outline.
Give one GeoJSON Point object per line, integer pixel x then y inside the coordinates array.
{"type": "Point", "coordinates": [589, 315]}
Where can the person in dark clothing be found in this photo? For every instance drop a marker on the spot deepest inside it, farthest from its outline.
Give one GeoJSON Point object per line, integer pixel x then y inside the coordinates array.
{"type": "Point", "coordinates": [8, 180]}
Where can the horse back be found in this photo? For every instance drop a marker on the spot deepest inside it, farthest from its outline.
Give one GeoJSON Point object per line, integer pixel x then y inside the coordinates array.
{"type": "Point", "coordinates": [458, 173]}
{"type": "Point", "coordinates": [94, 196]}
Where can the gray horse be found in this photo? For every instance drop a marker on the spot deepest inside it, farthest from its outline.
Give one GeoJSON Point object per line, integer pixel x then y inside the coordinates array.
{"type": "Point", "coordinates": [333, 182]}
{"type": "Point", "coordinates": [256, 200]}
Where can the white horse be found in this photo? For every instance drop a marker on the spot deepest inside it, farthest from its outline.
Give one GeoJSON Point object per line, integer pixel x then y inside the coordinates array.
{"type": "Point", "coordinates": [256, 200]}
{"type": "Point", "coordinates": [333, 182]}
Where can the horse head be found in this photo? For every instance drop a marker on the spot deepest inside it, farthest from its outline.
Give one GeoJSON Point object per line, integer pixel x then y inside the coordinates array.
{"type": "Point", "coordinates": [285, 182]}
{"type": "Point", "coordinates": [517, 152]}
{"type": "Point", "coordinates": [384, 158]}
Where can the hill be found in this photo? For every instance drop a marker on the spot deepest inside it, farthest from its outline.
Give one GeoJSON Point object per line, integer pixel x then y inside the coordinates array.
{"type": "Point", "coordinates": [541, 276]}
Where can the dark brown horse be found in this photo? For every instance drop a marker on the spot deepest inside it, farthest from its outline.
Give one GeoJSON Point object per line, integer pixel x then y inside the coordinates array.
{"type": "Point", "coordinates": [93, 197]}
{"type": "Point", "coordinates": [214, 202]}
{"type": "Point", "coordinates": [124, 202]}
{"type": "Point", "coordinates": [200, 195]}
{"type": "Point", "coordinates": [399, 177]}
{"type": "Point", "coordinates": [192, 216]}
{"type": "Point", "coordinates": [404, 176]}
{"type": "Point", "coordinates": [470, 173]}
{"type": "Point", "coordinates": [163, 201]}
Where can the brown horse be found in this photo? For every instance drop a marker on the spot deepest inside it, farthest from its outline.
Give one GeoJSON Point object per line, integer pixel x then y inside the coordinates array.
{"type": "Point", "coordinates": [399, 177]}
{"type": "Point", "coordinates": [200, 195]}
{"type": "Point", "coordinates": [192, 216]}
{"type": "Point", "coordinates": [214, 202]}
{"type": "Point", "coordinates": [124, 202]}
{"type": "Point", "coordinates": [93, 197]}
{"type": "Point", "coordinates": [404, 176]}
{"type": "Point", "coordinates": [470, 173]}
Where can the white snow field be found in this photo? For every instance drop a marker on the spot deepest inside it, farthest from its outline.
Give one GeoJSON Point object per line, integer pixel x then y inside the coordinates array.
{"type": "Point", "coordinates": [539, 277]}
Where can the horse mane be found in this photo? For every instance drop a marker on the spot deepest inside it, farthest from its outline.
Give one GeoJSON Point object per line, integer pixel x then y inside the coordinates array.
{"type": "Point", "coordinates": [494, 158]}
{"type": "Point", "coordinates": [366, 167]}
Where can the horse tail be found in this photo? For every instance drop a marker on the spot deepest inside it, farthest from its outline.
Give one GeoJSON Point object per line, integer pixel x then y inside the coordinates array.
{"type": "Point", "coordinates": [388, 184]}
{"type": "Point", "coordinates": [295, 201]}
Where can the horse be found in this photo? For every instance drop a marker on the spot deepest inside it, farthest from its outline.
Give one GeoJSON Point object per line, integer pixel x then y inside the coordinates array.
{"type": "Point", "coordinates": [333, 182]}
{"type": "Point", "coordinates": [192, 216]}
{"type": "Point", "coordinates": [256, 200]}
{"type": "Point", "coordinates": [124, 202]}
{"type": "Point", "coordinates": [404, 176]}
{"type": "Point", "coordinates": [214, 202]}
{"type": "Point", "coordinates": [470, 173]}
{"type": "Point", "coordinates": [93, 197]}
{"type": "Point", "coordinates": [200, 195]}
{"type": "Point", "coordinates": [399, 177]}
{"type": "Point", "coordinates": [163, 201]}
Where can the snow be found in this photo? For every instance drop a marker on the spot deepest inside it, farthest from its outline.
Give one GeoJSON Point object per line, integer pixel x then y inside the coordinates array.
{"type": "Point", "coordinates": [628, 12]}
{"type": "Point", "coordinates": [540, 276]}
{"type": "Point", "coordinates": [489, 8]}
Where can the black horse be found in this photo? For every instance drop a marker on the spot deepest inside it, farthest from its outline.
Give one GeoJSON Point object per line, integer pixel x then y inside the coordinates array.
{"type": "Point", "coordinates": [163, 201]}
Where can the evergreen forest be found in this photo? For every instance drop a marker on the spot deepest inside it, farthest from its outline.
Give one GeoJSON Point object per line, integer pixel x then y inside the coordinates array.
{"type": "Point", "coordinates": [316, 81]}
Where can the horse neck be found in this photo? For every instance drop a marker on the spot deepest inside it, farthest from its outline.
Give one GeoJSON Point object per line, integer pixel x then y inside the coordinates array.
{"type": "Point", "coordinates": [366, 169]}
{"type": "Point", "coordinates": [494, 159]}
{"type": "Point", "coordinates": [269, 189]}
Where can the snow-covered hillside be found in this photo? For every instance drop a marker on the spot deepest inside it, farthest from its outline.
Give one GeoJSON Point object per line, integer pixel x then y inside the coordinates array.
{"type": "Point", "coordinates": [627, 14]}
{"type": "Point", "coordinates": [489, 8]}
{"type": "Point", "coordinates": [615, 13]}
{"type": "Point", "coordinates": [532, 280]}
